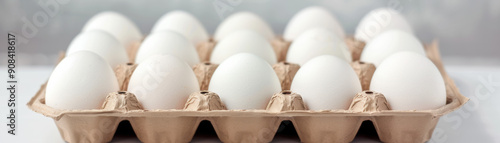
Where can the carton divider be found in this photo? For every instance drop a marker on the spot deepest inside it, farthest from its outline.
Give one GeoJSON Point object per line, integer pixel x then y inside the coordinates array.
{"type": "Point", "coordinates": [123, 73]}
{"type": "Point", "coordinates": [365, 72]}
{"type": "Point", "coordinates": [355, 47]}
{"type": "Point", "coordinates": [205, 49]}
{"type": "Point", "coordinates": [280, 47]}
{"type": "Point", "coordinates": [285, 72]}
{"type": "Point", "coordinates": [132, 50]}
{"type": "Point", "coordinates": [203, 72]}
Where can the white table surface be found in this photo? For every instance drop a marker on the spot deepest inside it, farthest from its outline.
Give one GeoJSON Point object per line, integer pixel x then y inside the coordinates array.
{"type": "Point", "coordinates": [477, 121]}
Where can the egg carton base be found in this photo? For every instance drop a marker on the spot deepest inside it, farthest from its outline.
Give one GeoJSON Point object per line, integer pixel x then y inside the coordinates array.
{"type": "Point", "coordinates": [99, 125]}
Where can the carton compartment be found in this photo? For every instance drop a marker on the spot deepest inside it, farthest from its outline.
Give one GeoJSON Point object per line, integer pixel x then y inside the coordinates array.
{"type": "Point", "coordinates": [87, 128]}
{"type": "Point", "coordinates": [165, 128]}
{"type": "Point", "coordinates": [99, 125]}
{"type": "Point", "coordinates": [408, 128]}
{"type": "Point", "coordinates": [246, 128]}
{"type": "Point", "coordinates": [313, 129]}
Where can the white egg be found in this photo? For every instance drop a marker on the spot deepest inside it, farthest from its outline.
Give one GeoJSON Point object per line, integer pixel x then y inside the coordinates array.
{"type": "Point", "coordinates": [117, 25]}
{"type": "Point", "coordinates": [245, 81]}
{"type": "Point", "coordinates": [379, 21]}
{"type": "Point", "coordinates": [183, 23]}
{"type": "Point", "coordinates": [101, 43]}
{"type": "Point", "coordinates": [243, 41]}
{"type": "Point", "coordinates": [242, 21]}
{"type": "Point", "coordinates": [388, 43]}
{"type": "Point", "coordinates": [325, 83]}
{"type": "Point", "coordinates": [309, 18]}
{"type": "Point", "coordinates": [409, 81]}
{"type": "Point", "coordinates": [168, 42]}
{"type": "Point", "coordinates": [316, 42]}
{"type": "Point", "coordinates": [163, 82]}
{"type": "Point", "coordinates": [80, 81]}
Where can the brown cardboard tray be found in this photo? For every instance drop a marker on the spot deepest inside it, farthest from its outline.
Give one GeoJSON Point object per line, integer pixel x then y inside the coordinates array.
{"type": "Point", "coordinates": [99, 125]}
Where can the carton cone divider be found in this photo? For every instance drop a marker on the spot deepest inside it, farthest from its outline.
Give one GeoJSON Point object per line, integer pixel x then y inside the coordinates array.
{"type": "Point", "coordinates": [286, 101]}
{"type": "Point", "coordinates": [123, 73]}
{"type": "Point", "coordinates": [369, 101]}
{"type": "Point", "coordinates": [205, 49]}
{"type": "Point", "coordinates": [286, 71]}
{"type": "Point", "coordinates": [355, 47]}
{"type": "Point", "coordinates": [365, 73]}
{"type": "Point", "coordinates": [204, 72]}
{"type": "Point", "coordinates": [204, 101]}
{"type": "Point", "coordinates": [280, 47]}
{"type": "Point", "coordinates": [121, 100]}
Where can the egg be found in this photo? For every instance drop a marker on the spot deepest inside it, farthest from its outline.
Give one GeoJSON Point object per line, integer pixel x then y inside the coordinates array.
{"type": "Point", "coordinates": [409, 81]}
{"type": "Point", "coordinates": [183, 23]}
{"type": "Point", "coordinates": [243, 41]}
{"type": "Point", "coordinates": [168, 42]}
{"type": "Point", "coordinates": [117, 25]}
{"type": "Point", "coordinates": [326, 83]}
{"type": "Point", "coordinates": [312, 17]}
{"type": "Point", "coordinates": [245, 81]}
{"type": "Point", "coordinates": [388, 43]}
{"type": "Point", "coordinates": [163, 82]}
{"type": "Point", "coordinates": [80, 81]}
{"type": "Point", "coordinates": [316, 42]}
{"type": "Point", "coordinates": [241, 21]}
{"type": "Point", "coordinates": [378, 21]}
{"type": "Point", "coordinates": [101, 43]}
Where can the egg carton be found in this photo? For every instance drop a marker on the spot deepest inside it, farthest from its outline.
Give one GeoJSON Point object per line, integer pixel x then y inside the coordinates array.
{"type": "Point", "coordinates": [179, 125]}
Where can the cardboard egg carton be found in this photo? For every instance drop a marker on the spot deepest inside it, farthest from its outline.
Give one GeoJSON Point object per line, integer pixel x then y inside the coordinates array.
{"type": "Point", "coordinates": [179, 125]}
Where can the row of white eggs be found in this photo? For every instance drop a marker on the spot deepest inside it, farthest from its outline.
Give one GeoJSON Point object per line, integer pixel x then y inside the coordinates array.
{"type": "Point", "coordinates": [244, 78]}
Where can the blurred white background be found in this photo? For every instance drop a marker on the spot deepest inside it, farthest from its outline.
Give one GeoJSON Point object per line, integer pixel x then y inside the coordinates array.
{"type": "Point", "coordinates": [468, 31]}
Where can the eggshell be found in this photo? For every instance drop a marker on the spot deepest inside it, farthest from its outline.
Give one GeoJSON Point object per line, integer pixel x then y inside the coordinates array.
{"type": "Point", "coordinates": [388, 43]}
{"type": "Point", "coordinates": [183, 23]}
{"type": "Point", "coordinates": [117, 25]}
{"type": "Point", "coordinates": [409, 81]}
{"type": "Point", "coordinates": [379, 21]}
{"type": "Point", "coordinates": [80, 81]}
{"type": "Point", "coordinates": [326, 83]}
{"type": "Point", "coordinates": [245, 81]}
{"type": "Point", "coordinates": [243, 41]}
{"type": "Point", "coordinates": [101, 43]}
{"type": "Point", "coordinates": [163, 82]}
{"type": "Point", "coordinates": [316, 42]}
{"type": "Point", "coordinates": [241, 21]}
{"type": "Point", "coordinates": [309, 18]}
{"type": "Point", "coordinates": [168, 42]}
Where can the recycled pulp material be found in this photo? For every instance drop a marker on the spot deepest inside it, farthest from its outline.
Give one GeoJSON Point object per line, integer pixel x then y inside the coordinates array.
{"type": "Point", "coordinates": [280, 47]}
{"type": "Point", "coordinates": [99, 125]}
{"type": "Point", "coordinates": [126, 71]}
{"type": "Point", "coordinates": [132, 50]}
{"type": "Point", "coordinates": [204, 72]}
{"type": "Point", "coordinates": [205, 50]}
{"type": "Point", "coordinates": [286, 72]}
{"type": "Point", "coordinates": [355, 46]}
{"type": "Point", "coordinates": [365, 73]}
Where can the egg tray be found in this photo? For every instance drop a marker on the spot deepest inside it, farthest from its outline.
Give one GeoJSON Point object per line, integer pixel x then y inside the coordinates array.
{"type": "Point", "coordinates": [175, 125]}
